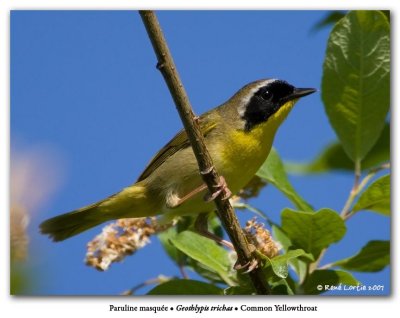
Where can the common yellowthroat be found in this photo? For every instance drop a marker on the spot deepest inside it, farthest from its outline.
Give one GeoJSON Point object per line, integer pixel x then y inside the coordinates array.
{"type": "Point", "coordinates": [238, 135]}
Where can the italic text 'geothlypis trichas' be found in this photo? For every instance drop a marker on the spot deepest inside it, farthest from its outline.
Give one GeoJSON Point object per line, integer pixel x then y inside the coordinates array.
{"type": "Point", "coordinates": [238, 135]}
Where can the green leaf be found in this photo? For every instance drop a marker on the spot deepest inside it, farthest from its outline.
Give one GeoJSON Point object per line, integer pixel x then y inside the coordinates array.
{"type": "Point", "coordinates": [298, 264]}
{"type": "Point", "coordinates": [281, 287]}
{"type": "Point", "coordinates": [214, 225]}
{"type": "Point", "coordinates": [239, 290]}
{"type": "Point", "coordinates": [356, 80]}
{"type": "Point", "coordinates": [273, 171]}
{"type": "Point", "coordinates": [380, 153]}
{"type": "Point", "coordinates": [376, 197]}
{"type": "Point", "coordinates": [313, 232]}
{"type": "Point", "coordinates": [330, 18]}
{"type": "Point", "coordinates": [279, 235]}
{"type": "Point", "coordinates": [387, 14]}
{"type": "Point", "coordinates": [321, 280]}
{"type": "Point", "coordinates": [185, 287]}
{"type": "Point", "coordinates": [206, 252]}
{"type": "Point", "coordinates": [373, 257]}
{"type": "Point", "coordinates": [300, 267]}
{"type": "Point", "coordinates": [204, 271]}
{"type": "Point", "coordinates": [175, 254]}
{"type": "Point", "coordinates": [280, 263]}
{"type": "Point", "coordinates": [333, 157]}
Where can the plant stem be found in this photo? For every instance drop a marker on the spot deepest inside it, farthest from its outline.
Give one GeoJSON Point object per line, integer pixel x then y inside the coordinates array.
{"type": "Point", "coordinates": [358, 188]}
{"type": "Point", "coordinates": [346, 212]}
{"type": "Point", "coordinates": [183, 272]}
{"type": "Point", "coordinates": [208, 172]}
{"type": "Point", "coordinates": [354, 191]}
{"type": "Point", "coordinates": [314, 265]}
{"type": "Point", "coordinates": [327, 266]}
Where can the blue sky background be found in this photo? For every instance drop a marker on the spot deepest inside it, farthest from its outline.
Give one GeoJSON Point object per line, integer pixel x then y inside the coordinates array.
{"type": "Point", "coordinates": [85, 84]}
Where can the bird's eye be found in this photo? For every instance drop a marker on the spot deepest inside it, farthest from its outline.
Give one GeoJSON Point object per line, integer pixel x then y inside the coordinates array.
{"type": "Point", "coordinates": [267, 95]}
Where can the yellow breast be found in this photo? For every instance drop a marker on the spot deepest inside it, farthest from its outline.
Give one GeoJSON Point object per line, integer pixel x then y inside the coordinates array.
{"type": "Point", "coordinates": [245, 152]}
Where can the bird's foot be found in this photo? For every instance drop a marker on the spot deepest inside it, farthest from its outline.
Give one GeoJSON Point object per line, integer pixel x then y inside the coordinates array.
{"type": "Point", "coordinates": [221, 188]}
{"type": "Point", "coordinates": [250, 265]}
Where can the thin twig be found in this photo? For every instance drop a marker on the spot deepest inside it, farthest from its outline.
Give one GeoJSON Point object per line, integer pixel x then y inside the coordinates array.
{"type": "Point", "coordinates": [327, 266]}
{"type": "Point", "coordinates": [183, 271]}
{"type": "Point", "coordinates": [347, 212]}
{"type": "Point", "coordinates": [208, 172]}
{"type": "Point", "coordinates": [359, 187]}
{"type": "Point", "coordinates": [354, 189]}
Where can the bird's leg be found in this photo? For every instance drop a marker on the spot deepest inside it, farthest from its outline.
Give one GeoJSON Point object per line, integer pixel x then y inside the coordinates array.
{"type": "Point", "coordinates": [222, 187]}
{"type": "Point", "coordinates": [201, 227]}
{"type": "Point", "coordinates": [174, 201]}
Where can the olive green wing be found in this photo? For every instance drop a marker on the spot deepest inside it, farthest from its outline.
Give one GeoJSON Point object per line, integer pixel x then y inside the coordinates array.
{"type": "Point", "coordinates": [180, 141]}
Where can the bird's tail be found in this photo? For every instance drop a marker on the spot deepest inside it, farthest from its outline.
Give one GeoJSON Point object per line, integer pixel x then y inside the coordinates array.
{"type": "Point", "coordinates": [129, 203]}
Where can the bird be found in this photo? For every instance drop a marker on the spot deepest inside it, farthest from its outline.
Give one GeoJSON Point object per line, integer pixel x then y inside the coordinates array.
{"type": "Point", "coordinates": [238, 134]}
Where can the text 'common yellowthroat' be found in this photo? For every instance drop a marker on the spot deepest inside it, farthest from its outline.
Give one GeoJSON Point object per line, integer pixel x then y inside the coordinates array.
{"type": "Point", "coordinates": [238, 135]}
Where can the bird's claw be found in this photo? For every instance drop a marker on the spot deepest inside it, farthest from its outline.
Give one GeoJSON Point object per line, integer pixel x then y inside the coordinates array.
{"type": "Point", "coordinates": [251, 265]}
{"type": "Point", "coordinates": [222, 187]}
{"type": "Point", "coordinates": [211, 196]}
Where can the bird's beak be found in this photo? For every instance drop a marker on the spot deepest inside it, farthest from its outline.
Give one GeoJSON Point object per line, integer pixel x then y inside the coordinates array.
{"type": "Point", "coordinates": [300, 92]}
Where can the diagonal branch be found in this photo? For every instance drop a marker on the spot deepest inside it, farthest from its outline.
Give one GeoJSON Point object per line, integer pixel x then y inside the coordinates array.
{"type": "Point", "coordinates": [210, 176]}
